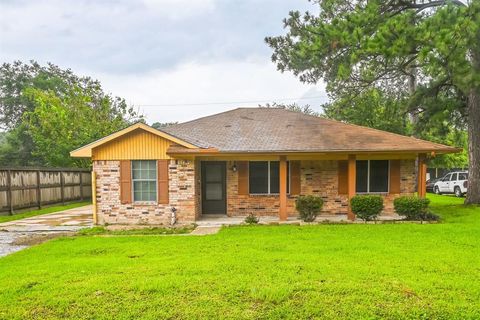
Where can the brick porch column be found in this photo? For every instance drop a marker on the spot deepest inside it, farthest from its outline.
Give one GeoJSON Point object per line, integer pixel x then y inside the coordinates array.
{"type": "Point", "coordinates": [283, 188]}
{"type": "Point", "coordinates": [422, 175]}
{"type": "Point", "coordinates": [352, 175]}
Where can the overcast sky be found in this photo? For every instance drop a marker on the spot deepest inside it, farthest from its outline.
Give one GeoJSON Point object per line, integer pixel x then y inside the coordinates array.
{"type": "Point", "coordinates": [175, 60]}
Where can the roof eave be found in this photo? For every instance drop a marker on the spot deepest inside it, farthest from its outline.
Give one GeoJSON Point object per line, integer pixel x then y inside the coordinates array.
{"type": "Point", "coordinates": [214, 151]}
{"type": "Point", "coordinates": [86, 150]}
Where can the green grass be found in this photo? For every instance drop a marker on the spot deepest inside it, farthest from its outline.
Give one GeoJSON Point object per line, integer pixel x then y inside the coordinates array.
{"type": "Point", "coordinates": [51, 209]}
{"type": "Point", "coordinates": [361, 271]}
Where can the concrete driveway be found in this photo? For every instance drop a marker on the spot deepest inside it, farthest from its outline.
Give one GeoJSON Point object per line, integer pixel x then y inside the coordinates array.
{"type": "Point", "coordinates": [19, 234]}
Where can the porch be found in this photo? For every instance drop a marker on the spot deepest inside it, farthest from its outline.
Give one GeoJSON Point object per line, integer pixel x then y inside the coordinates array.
{"type": "Point", "coordinates": [230, 188]}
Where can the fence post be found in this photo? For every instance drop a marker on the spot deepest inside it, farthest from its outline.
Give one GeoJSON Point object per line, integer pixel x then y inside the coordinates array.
{"type": "Point", "coordinates": [9, 192]}
{"type": "Point", "coordinates": [62, 187]}
{"type": "Point", "coordinates": [39, 191]}
{"type": "Point", "coordinates": [81, 185]}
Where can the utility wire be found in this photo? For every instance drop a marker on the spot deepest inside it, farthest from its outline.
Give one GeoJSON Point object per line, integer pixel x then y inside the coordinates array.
{"type": "Point", "coordinates": [230, 102]}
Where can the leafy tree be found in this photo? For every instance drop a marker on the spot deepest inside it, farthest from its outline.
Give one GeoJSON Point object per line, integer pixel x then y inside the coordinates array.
{"type": "Point", "coordinates": [425, 50]}
{"type": "Point", "coordinates": [58, 125]}
{"type": "Point", "coordinates": [50, 111]}
{"type": "Point", "coordinates": [16, 148]}
{"type": "Point", "coordinates": [17, 76]}
{"type": "Point", "coordinates": [371, 108]}
{"type": "Point", "coordinates": [306, 109]}
{"type": "Point", "coordinates": [160, 125]}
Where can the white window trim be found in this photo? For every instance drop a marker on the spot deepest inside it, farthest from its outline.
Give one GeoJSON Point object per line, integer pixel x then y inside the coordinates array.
{"type": "Point", "coordinates": [133, 184]}
{"type": "Point", "coordinates": [368, 180]}
{"type": "Point", "coordinates": [269, 193]}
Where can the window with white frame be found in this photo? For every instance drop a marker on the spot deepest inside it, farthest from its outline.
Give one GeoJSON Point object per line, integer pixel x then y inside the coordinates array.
{"type": "Point", "coordinates": [372, 176]}
{"type": "Point", "coordinates": [264, 177]}
{"type": "Point", "coordinates": [144, 180]}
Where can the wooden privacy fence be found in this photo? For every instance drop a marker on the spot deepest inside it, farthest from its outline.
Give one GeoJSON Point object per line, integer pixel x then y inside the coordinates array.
{"type": "Point", "coordinates": [22, 188]}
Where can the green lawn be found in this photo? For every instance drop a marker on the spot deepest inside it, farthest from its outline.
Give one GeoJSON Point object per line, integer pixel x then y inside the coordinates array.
{"type": "Point", "coordinates": [51, 209]}
{"type": "Point", "coordinates": [357, 271]}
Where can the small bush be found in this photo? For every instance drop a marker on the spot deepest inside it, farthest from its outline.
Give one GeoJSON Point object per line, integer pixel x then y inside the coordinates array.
{"type": "Point", "coordinates": [414, 208]}
{"type": "Point", "coordinates": [367, 207]}
{"type": "Point", "coordinates": [308, 207]}
{"type": "Point", "coordinates": [251, 219]}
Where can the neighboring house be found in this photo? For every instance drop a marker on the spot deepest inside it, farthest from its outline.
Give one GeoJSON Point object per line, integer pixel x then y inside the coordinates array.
{"type": "Point", "coordinates": [249, 160]}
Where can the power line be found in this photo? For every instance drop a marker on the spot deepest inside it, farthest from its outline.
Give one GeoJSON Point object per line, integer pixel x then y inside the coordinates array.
{"type": "Point", "coordinates": [229, 102]}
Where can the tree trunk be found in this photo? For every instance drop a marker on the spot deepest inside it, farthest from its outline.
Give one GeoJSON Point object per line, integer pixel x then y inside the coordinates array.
{"type": "Point", "coordinates": [473, 192]}
{"type": "Point", "coordinates": [473, 101]}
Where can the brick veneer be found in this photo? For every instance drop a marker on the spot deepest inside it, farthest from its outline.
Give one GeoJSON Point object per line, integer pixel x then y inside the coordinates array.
{"type": "Point", "coordinates": [318, 178]}
{"type": "Point", "coordinates": [181, 193]}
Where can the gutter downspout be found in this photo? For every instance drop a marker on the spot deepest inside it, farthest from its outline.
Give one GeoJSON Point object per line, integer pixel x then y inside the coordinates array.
{"type": "Point", "coordinates": [94, 197]}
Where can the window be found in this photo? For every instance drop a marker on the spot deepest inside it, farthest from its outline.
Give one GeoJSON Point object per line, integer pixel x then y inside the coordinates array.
{"type": "Point", "coordinates": [372, 176]}
{"type": "Point", "coordinates": [453, 177]}
{"type": "Point", "coordinates": [144, 180]}
{"type": "Point", "coordinates": [264, 177]}
{"type": "Point", "coordinates": [463, 176]}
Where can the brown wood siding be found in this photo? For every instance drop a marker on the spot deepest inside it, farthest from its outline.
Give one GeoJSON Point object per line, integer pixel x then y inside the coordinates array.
{"type": "Point", "coordinates": [242, 167]}
{"type": "Point", "coordinates": [394, 176]}
{"type": "Point", "coordinates": [125, 182]}
{"type": "Point", "coordinates": [295, 177]}
{"type": "Point", "coordinates": [342, 177]}
{"type": "Point", "coordinates": [136, 145]}
{"type": "Point", "coordinates": [163, 195]}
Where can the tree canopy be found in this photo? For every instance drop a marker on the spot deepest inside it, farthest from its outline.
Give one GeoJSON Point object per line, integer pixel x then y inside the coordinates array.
{"type": "Point", "coordinates": [421, 56]}
{"type": "Point", "coordinates": [48, 112]}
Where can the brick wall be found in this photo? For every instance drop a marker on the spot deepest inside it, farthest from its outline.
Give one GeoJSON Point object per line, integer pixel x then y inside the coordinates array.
{"type": "Point", "coordinates": [181, 193]}
{"type": "Point", "coordinates": [321, 178]}
{"type": "Point", "coordinates": [407, 185]}
{"type": "Point", "coordinates": [318, 178]}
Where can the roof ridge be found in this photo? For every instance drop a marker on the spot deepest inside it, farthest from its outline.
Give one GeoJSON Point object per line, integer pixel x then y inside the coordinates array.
{"type": "Point", "coordinates": [204, 117]}
{"type": "Point", "coordinates": [316, 120]}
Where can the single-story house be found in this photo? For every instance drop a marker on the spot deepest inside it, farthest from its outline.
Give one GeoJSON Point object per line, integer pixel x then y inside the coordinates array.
{"type": "Point", "coordinates": [250, 160]}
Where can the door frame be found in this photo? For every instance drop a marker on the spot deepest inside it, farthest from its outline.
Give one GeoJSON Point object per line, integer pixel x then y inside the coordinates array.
{"type": "Point", "coordinates": [224, 185]}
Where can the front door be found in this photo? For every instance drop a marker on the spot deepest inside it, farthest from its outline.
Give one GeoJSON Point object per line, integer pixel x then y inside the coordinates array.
{"type": "Point", "coordinates": [214, 187]}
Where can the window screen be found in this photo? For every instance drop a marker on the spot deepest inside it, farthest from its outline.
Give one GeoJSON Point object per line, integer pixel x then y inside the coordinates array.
{"type": "Point", "coordinates": [362, 176]}
{"type": "Point", "coordinates": [144, 180]}
{"type": "Point", "coordinates": [258, 176]}
{"type": "Point", "coordinates": [378, 176]}
{"type": "Point", "coordinates": [372, 176]}
{"type": "Point", "coordinates": [264, 177]}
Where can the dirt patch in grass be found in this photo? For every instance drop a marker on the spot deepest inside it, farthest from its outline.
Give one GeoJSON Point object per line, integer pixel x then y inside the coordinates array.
{"type": "Point", "coordinates": [37, 238]}
{"type": "Point", "coordinates": [135, 230]}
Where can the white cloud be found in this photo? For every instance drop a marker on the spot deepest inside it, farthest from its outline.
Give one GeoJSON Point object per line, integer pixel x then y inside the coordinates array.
{"type": "Point", "coordinates": [160, 52]}
{"type": "Point", "coordinates": [179, 9]}
{"type": "Point", "coordinates": [177, 95]}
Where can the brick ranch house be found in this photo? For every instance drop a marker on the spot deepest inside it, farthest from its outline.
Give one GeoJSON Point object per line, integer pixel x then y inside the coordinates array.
{"type": "Point", "coordinates": [249, 160]}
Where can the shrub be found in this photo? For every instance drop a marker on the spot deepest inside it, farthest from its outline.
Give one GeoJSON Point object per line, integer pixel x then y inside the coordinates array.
{"type": "Point", "coordinates": [251, 219]}
{"type": "Point", "coordinates": [308, 207]}
{"type": "Point", "coordinates": [367, 207]}
{"type": "Point", "coordinates": [414, 208]}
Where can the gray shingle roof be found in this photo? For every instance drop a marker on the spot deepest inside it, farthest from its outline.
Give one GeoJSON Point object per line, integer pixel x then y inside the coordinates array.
{"type": "Point", "coordinates": [276, 130]}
